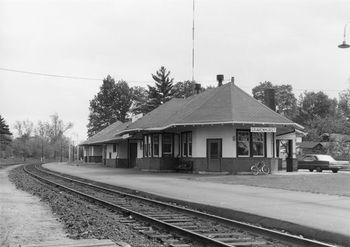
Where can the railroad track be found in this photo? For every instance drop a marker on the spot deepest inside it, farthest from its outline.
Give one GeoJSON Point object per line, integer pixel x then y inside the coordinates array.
{"type": "Point", "coordinates": [190, 225]}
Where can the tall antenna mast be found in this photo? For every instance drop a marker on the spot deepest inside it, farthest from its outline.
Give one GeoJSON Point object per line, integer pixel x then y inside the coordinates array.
{"type": "Point", "coordinates": [193, 41]}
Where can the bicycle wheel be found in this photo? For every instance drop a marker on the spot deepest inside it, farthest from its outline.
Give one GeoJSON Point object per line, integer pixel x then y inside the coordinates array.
{"type": "Point", "coordinates": [254, 169]}
{"type": "Point", "coordinates": [265, 169]}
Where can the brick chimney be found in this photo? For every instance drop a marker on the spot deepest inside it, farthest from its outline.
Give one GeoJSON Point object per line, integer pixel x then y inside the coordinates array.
{"type": "Point", "coordinates": [269, 98]}
{"type": "Point", "coordinates": [220, 79]}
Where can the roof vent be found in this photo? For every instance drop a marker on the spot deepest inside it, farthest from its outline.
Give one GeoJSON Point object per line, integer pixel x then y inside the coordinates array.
{"type": "Point", "coordinates": [232, 80]}
{"type": "Point", "coordinates": [136, 117]}
{"type": "Point", "coordinates": [220, 79]}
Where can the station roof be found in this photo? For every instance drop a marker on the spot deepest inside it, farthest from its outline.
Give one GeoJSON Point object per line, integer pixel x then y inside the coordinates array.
{"type": "Point", "coordinates": [108, 134]}
{"type": "Point", "coordinates": [225, 104]}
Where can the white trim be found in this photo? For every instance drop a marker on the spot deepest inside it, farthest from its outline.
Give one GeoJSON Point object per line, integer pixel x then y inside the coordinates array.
{"type": "Point", "coordinates": [209, 123]}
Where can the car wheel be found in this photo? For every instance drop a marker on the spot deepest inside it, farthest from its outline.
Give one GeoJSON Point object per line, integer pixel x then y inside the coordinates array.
{"type": "Point", "coordinates": [334, 170]}
{"type": "Point", "coordinates": [318, 169]}
{"type": "Point", "coordinates": [311, 170]}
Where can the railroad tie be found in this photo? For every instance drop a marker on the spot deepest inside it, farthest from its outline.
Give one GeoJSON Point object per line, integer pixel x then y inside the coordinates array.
{"type": "Point", "coordinates": [180, 245]}
{"type": "Point", "coordinates": [222, 234]}
{"type": "Point", "coordinates": [254, 243]}
{"type": "Point", "coordinates": [176, 220]}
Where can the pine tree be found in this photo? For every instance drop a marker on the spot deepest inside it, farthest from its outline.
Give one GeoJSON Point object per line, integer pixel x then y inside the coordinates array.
{"type": "Point", "coordinates": [161, 92]}
{"type": "Point", "coordinates": [4, 128]}
{"type": "Point", "coordinates": [111, 103]}
{"type": "Point", "coordinates": [5, 134]}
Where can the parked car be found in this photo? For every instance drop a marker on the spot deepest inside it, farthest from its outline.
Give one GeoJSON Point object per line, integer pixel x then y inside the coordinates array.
{"type": "Point", "coordinates": [320, 162]}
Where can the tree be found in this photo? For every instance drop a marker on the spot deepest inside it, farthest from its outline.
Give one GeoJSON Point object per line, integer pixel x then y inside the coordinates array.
{"type": "Point", "coordinates": [185, 89]}
{"type": "Point", "coordinates": [161, 92]}
{"type": "Point", "coordinates": [111, 103]}
{"type": "Point", "coordinates": [312, 105]}
{"type": "Point", "coordinates": [55, 132]}
{"type": "Point", "coordinates": [344, 103]}
{"type": "Point", "coordinates": [318, 126]}
{"type": "Point", "coordinates": [42, 133]}
{"type": "Point", "coordinates": [5, 137]}
{"type": "Point", "coordinates": [24, 131]}
{"type": "Point", "coordinates": [139, 99]}
{"type": "Point", "coordinates": [284, 97]}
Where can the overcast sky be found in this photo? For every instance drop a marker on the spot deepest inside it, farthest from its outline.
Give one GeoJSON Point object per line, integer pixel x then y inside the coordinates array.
{"type": "Point", "coordinates": [281, 41]}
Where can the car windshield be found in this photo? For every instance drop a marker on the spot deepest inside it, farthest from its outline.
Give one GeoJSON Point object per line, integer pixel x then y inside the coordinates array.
{"type": "Point", "coordinates": [325, 157]}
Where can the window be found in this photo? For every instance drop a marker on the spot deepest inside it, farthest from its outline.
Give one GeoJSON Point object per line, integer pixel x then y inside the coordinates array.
{"type": "Point", "coordinates": [186, 144]}
{"type": "Point", "coordinates": [145, 150]}
{"type": "Point", "coordinates": [167, 144]}
{"type": "Point", "coordinates": [213, 150]}
{"type": "Point", "coordinates": [258, 144]}
{"type": "Point", "coordinates": [156, 145]}
{"type": "Point", "coordinates": [114, 147]}
{"type": "Point", "coordinates": [189, 140]}
{"type": "Point", "coordinates": [243, 143]}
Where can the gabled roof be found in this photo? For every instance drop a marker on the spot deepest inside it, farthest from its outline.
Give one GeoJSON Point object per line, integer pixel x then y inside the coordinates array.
{"type": "Point", "coordinates": [107, 134]}
{"type": "Point", "coordinates": [309, 144]}
{"type": "Point", "coordinates": [225, 104]}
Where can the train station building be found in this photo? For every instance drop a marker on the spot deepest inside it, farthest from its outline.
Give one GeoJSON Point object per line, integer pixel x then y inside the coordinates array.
{"type": "Point", "coordinates": [222, 129]}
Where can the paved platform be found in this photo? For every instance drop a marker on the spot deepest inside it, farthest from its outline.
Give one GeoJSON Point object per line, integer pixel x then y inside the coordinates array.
{"type": "Point", "coordinates": [324, 216]}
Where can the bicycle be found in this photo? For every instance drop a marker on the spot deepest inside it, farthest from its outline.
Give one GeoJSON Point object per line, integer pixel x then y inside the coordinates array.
{"type": "Point", "coordinates": [260, 167]}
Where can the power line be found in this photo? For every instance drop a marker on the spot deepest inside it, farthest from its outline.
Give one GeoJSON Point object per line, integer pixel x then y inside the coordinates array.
{"type": "Point", "coordinates": [51, 75]}
{"type": "Point", "coordinates": [145, 81]}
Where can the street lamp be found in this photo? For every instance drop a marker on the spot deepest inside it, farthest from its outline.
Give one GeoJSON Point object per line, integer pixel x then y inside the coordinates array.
{"type": "Point", "coordinates": [344, 44]}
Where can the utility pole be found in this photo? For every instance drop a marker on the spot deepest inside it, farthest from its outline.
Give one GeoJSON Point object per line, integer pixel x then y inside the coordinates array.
{"type": "Point", "coordinates": [193, 40]}
{"type": "Point", "coordinates": [69, 153]}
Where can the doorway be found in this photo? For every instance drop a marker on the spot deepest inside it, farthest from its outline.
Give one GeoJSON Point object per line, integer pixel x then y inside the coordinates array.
{"type": "Point", "coordinates": [214, 154]}
{"type": "Point", "coordinates": [132, 154]}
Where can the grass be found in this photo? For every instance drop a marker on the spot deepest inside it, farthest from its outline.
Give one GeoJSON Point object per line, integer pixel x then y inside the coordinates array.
{"type": "Point", "coordinates": [10, 161]}
{"type": "Point", "coordinates": [324, 183]}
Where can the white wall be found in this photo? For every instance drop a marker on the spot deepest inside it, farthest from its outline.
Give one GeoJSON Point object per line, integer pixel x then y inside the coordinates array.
{"type": "Point", "coordinates": [121, 152]}
{"type": "Point", "coordinates": [228, 135]}
{"type": "Point", "coordinates": [224, 132]}
{"type": "Point", "coordinates": [110, 151]}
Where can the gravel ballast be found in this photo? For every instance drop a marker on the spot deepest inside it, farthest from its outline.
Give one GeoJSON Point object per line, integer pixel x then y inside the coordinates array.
{"type": "Point", "coordinates": [81, 219]}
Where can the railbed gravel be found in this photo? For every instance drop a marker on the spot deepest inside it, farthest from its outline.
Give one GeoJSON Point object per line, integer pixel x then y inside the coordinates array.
{"type": "Point", "coordinates": [82, 220]}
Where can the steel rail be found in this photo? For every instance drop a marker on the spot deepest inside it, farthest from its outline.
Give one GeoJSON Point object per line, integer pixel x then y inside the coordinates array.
{"type": "Point", "coordinates": [179, 230]}
{"type": "Point", "coordinates": [276, 235]}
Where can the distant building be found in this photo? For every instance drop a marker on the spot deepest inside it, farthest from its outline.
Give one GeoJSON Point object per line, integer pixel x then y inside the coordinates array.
{"type": "Point", "coordinates": [309, 147]}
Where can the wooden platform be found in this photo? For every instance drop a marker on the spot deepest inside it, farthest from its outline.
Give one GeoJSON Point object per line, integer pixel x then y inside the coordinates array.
{"type": "Point", "coordinates": [75, 243]}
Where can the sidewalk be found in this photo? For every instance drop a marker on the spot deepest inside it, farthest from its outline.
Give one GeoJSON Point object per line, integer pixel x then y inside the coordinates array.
{"type": "Point", "coordinates": [328, 214]}
{"type": "Point", "coordinates": [24, 219]}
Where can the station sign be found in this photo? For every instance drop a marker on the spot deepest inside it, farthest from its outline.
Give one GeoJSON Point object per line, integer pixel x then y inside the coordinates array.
{"type": "Point", "coordinates": [263, 129]}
